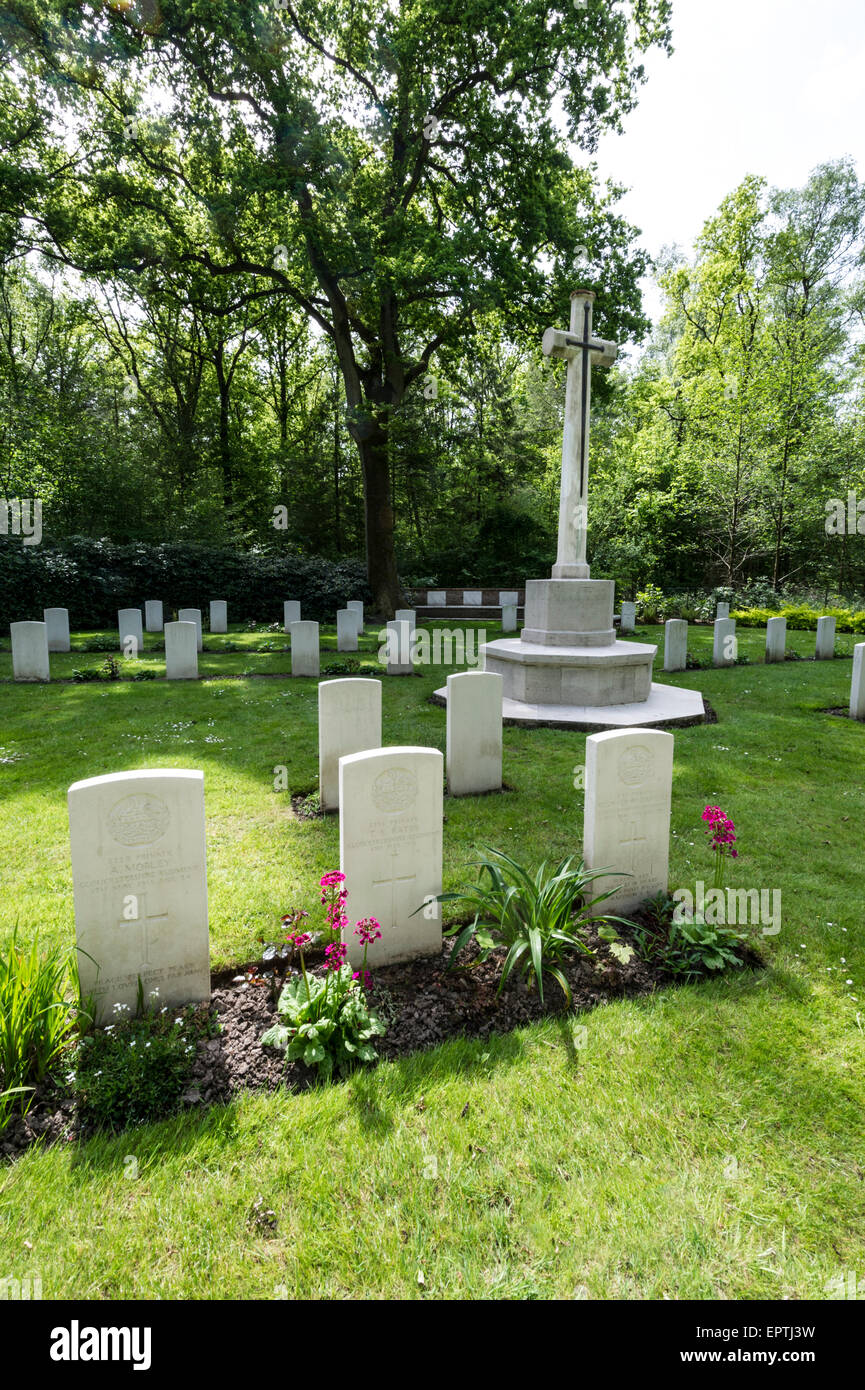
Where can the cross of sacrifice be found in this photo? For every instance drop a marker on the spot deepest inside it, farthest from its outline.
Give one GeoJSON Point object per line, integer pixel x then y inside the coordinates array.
{"type": "Point", "coordinates": [136, 914]}
{"type": "Point", "coordinates": [393, 880]}
{"type": "Point", "coordinates": [580, 350]}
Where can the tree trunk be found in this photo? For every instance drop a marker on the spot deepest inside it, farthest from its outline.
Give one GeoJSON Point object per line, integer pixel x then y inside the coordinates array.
{"type": "Point", "coordinates": [380, 557]}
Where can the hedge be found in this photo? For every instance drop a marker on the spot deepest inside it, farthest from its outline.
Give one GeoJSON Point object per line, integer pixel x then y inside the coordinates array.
{"type": "Point", "coordinates": [801, 617]}
{"type": "Point", "coordinates": [94, 578]}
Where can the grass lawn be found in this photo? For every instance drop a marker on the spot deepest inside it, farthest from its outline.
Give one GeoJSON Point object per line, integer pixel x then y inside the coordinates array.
{"type": "Point", "coordinates": [706, 1143]}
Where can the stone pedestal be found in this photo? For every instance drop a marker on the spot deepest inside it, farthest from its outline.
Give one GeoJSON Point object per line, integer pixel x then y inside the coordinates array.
{"type": "Point", "coordinates": [568, 668]}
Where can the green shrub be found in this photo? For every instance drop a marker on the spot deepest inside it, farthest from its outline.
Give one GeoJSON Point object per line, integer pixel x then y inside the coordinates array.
{"type": "Point", "coordinates": [652, 607]}
{"type": "Point", "coordinates": [38, 1018]}
{"type": "Point", "coordinates": [689, 948]}
{"type": "Point", "coordinates": [801, 617]}
{"type": "Point", "coordinates": [540, 919]}
{"type": "Point", "coordinates": [135, 1069]}
{"type": "Point", "coordinates": [326, 1022]}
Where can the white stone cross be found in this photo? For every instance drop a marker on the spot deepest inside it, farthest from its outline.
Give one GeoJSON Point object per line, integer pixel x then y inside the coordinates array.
{"type": "Point", "coordinates": [635, 839]}
{"type": "Point", "coordinates": [580, 350]}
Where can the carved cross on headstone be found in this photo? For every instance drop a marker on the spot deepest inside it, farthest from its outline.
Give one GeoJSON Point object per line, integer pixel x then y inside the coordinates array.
{"type": "Point", "coordinates": [632, 829]}
{"type": "Point", "coordinates": [580, 350]}
{"type": "Point", "coordinates": [135, 914]}
{"type": "Point", "coordinates": [393, 880]}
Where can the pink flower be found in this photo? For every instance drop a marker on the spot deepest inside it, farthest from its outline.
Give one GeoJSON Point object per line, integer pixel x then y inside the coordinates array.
{"type": "Point", "coordinates": [369, 930]}
{"type": "Point", "coordinates": [334, 956]}
{"type": "Point", "coordinates": [367, 978]}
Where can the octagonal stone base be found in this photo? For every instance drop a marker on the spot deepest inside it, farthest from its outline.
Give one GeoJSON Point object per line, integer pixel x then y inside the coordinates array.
{"type": "Point", "coordinates": [617, 674]}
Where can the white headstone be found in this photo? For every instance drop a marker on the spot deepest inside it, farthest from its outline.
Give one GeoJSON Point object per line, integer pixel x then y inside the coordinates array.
{"type": "Point", "coordinates": [399, 659]}
{"type": "Point", "coordinates": [291, 613]}
{"type": "Point", "coordinates": [675, 644]}
{"type": "Point", "coordinates": [218, 615]}
{"type": "Point", "coordinates": [473, 598]}
{"type": "Point", "coordinates": [437, 598]}
{"type": "Point", "coordinates": [474, 733]}
{"type": "Point", "coordinates": [140, 880]}
{"type": "Point", "coordinates": [346, 630]}
{"type": "Point", "coordinates": [30, 652]}
{"type": "Point", "coordinates": [825, 649]}
{"type": "Point", "coordinates": [857, 685]}
{"type": "Point", "coordinates": [356, 606]}
{"type": "Point", "coordinates": [723, 611]}
{"type": "Point", "coordinates": [510, 620]}
{"type": "Point", "coordinates": [390, 849]}
{"type": "Point", "coordinates": [629, 616]}
{"type": "Point", "coordinates": [509, 596]}
{"type": "Point", "coordinates": [131, 631]}
{"type": "Point", "coordinates": [192, 615]}
{"type": "Point", "coordinates": [776, 639]}
{"type": "Point", "coordinates": [626, 824]}
{"type": "Point", "coordinates": [57, 626]}
{"type": "Point", "coordinates": [181, 651]}
{"type": "Point", "coordinates": [406, 615]}
{"type": "Point", "coordinates": [153, 615]}
{"type": "Point", "coordinates": [305, 659]}
{"type": "Point", "coordinates": [349, 721]}
{"type": "Point", "coordinates": [724, 647]}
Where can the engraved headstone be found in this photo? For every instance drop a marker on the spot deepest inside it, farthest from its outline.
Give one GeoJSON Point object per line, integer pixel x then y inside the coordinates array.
{"type": "Point", "coordinates": [509, 596]}
{"type": "Point", "coordinates": [776, 639]}
{"type": "Point", "coordinates": [181, 651]}
{"type": "Point", "coordinates": [30, 652]}
{"type": "Point", "coordinates": [724, 646]}
{"type": "Point", "coordinates": [390, 849]}
{"type": "Point", "coordinates": [398, 658]}
{"type": "Point", "coordinates": [57, 627]}
{"type": "Point", "coordinates": [139, 874]}
{"type": "Point", "coordinates": [291, 613]}
{"type": "Point", "coordinates": [356, 606]}
{"type": "Point", "coordinates": [131, 631]}
{"type": "Point", "coordinates": [437, 598]}
{"type": "Point", "coordinates": [153, 615]}
{"type": "Point", "coordinates": [474, 733]}
{"type": "Point", "coordinates": [305, 659]}
{"type": "Point", "coordinates": [626, 824]}
{"type": "Point", "coordinates": [825, 648]}
{"type": "Point", "coordinates": [473, 598]}
{"type": "Point", "coordinates": [346, 630]}
{"type": "Point", "coordinates": [857, 685]}
{"type": "Point", "coordinates": [218, 615]}
{"type": "Point", "coordinates": [349, 721]}
{"type": "Point", "coordinates": [675, 644]}
{"type": "Point", "coordinates": [192, 615]}
{"type": "Point", "coordinates": [629, 616]}
{"type": "Point", "coordinates": [406, 615]}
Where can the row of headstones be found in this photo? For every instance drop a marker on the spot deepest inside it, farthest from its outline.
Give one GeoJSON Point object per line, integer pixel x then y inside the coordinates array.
{"type": "Point", "coordinates": [628, 618]}
{"type": "Point", "coordinates": [349, 721]}
{"type": "Point", "coordinates": [473, 598]}
{"type": "Point", "coordinates": [139, 859]}
{"type": "Point", "coordinates": [724, 645]}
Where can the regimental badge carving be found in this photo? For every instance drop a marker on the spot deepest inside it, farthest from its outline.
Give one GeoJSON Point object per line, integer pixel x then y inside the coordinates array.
{"type": "Point", "coordinates": [394, 790]}
{"type": "Point", "coordinates": [635, 766]}
{"type": "Point", "coordinates": [138, 820]}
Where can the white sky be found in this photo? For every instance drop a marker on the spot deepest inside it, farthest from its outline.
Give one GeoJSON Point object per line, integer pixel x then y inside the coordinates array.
{"type": "Point", "coordinates": [771, 87]}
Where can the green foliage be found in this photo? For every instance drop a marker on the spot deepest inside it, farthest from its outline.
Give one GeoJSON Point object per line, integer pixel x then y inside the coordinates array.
{"type": "Point", "coordinates": [540, 919]}
{"type": "Point", "coordinates": [326, 1022]}
{"type": "Point", "coordinates": [688, 948]}
{"type": "Point", "coordinates": [134, 1070]}
{"type": "Point", "coordinates": [37, 1017]}
{"type": "Point", "coordinates": [94, 578]}
{"type": "Point", "coordinates": [802, 617]}
{"type": "Point", "coordinates": [652, 607]}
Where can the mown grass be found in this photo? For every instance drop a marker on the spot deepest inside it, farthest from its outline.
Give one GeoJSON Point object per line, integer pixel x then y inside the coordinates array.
{"type": "Point", "coordinates": [705, 1143]}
